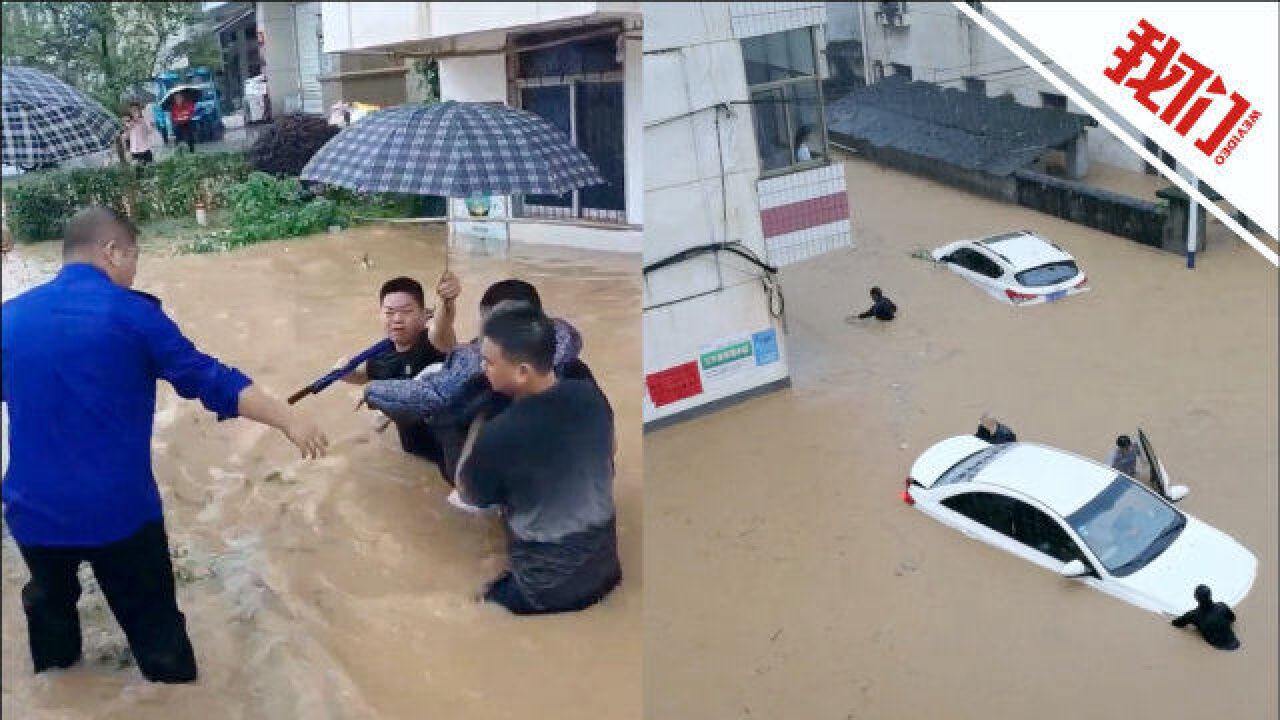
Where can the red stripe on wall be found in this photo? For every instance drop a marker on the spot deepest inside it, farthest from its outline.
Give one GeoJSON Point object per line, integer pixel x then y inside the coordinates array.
{"type": "Point", "coordinates": [809, 213]}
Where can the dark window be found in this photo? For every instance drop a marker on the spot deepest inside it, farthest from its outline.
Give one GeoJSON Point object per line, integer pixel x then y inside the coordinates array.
{"type": "Point", "coordinates": [1054, 100]}
{"type": "Point", "coordinates": [977, 86]}
{"type": "Point", "coordinates": [1049, 274]}
{"type": "Point", "coordinates": [592, 55]}
{"type": "Point", "coordinates": [903, 70]}
{"type": "Point", "coordinates": [779, 56]}
{"type": "Point", "coordinates": [977, 262]}
{"type": "Point", "coordinates": [578, 88]}
{"type": "Point", "coordinates": [786, 99]}
{"type": "Point", "coordinates": [1018, 520]}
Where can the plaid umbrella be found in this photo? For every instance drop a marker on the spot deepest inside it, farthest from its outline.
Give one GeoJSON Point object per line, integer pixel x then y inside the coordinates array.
{"type": "Point", "coordinates": [453, 149]}
{"type": "Point", "coordinates": [46, 120]}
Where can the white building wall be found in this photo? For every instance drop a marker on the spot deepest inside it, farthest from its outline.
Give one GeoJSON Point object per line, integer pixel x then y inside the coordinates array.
{"type": "Point", "coordinates": [279, 52]}
{"type": "Point", "coordinates": [474, 79]}
{"type": "Point", "coordinates": [942, 46]}
{"type": "Point", "coordinates": [700, 191]}
{"type": "Point", "coordinates": [349, 25]}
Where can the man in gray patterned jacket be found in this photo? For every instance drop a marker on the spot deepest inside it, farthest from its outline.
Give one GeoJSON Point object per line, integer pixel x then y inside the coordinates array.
{"type": "Point", "coordinates": [450, 399]}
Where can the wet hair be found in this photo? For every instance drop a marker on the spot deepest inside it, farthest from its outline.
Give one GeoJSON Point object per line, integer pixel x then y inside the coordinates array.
{"type": "Point", "coordinates": [524, 333]}
{"type": "Point", "coordinates": [86, 227]}
{"type": "Point", "coordinates": [510, 290]}
{"type": "Point", "coordinates": [1203, 595]}
{"type": "Point", "coordinates": [1123, 441]}
{"type": "Point", "coordinates": [875, 292]}
{"type": "Point", "coordinates": [403, 285]}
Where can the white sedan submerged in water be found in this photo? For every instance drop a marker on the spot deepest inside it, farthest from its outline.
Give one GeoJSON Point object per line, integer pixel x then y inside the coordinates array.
{"type": "Point", "coordinates": [1082, 520]}
{"type": "Point", "coordinates": [1018, 268]}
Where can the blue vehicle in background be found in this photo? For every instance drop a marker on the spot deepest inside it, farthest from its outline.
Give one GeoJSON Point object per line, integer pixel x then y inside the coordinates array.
{"type": "Point", "coordinates": [207, 121]}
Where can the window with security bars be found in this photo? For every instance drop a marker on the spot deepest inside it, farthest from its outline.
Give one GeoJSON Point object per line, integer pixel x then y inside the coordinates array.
{"type": "Point", "coordinates": [578, 88]}
{"type": "Point", "coordinates": [786, 100]}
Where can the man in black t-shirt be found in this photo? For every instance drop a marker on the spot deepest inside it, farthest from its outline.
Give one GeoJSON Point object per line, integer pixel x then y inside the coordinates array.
{"type": "Point", "coordinates": [547, 462]}
{"type": "Point", "coordinates": [421, 339]}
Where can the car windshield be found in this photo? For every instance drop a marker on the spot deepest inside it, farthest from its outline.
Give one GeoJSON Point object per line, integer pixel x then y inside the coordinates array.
{"type": "Point", "coordinates": [964, 470]}
{"type": "Point", "coordinates": [1050, 274]}
{"type": "Point", "coordinates": [1126, 526]}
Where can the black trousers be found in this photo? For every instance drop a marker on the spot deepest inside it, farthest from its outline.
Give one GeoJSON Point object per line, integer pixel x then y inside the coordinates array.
{"type": "Point", "coordinates": [136, 578]}
{"type": "Point", "coordinates": [184, 132]}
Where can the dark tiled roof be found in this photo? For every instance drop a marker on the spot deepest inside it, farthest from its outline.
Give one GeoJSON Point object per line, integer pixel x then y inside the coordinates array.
{"type": "Point", "coordinates": [971, 131]}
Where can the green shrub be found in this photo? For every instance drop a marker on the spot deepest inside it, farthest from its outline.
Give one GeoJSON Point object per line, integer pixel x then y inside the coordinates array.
{"type": "Point", "coordinates": [39, 205]}
{"type": "Point", "coordinates": [265, 208]}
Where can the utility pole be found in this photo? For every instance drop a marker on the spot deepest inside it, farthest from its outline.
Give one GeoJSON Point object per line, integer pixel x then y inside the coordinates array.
{"type": "Point", "coordinates": [1193, 226]}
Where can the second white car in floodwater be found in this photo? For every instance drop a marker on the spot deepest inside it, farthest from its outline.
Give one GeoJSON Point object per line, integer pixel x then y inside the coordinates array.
{"type": "Point", "coordinates": [1017, 268]}
{"type": "Point", "coordinates": [1082, 520]}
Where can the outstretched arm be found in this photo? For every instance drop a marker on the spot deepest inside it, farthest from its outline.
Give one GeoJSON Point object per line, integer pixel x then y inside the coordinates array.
{"type": "Point", "coordinates": [258, 406]}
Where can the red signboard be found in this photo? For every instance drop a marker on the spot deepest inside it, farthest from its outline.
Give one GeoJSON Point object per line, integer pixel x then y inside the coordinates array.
{"type": "Point", "coordinates": [673, 384]}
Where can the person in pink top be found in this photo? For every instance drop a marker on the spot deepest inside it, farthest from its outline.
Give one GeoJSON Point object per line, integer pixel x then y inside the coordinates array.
{"type": "Point", "coordinates": [139, 130]}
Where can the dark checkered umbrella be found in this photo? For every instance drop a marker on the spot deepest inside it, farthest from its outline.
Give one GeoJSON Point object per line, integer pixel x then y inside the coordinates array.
{"type": "Point", "coordinates": [46, 120]}
{"type": "Point", "coordinates": [453, 149]}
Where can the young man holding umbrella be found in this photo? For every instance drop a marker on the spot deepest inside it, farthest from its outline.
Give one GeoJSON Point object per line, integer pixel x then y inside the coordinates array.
{"type": "Point", "coordinates": [420, 339]}
{"type": "Point", "coordinates": [81, 357]}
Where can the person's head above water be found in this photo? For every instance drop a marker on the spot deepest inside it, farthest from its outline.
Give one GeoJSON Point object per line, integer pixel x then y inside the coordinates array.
{"type": "Point", "coordinates": [101, 237]}
{"type": "Point", "coordinates": [404, 310]}
{"type": "Point", "coordinates": [876, 294]}
{"type": "Point", "coordinates": [1123, 442]}
{"type": "Point", "coordinates": [510, 290]}
{"type": "Point", "coordinates": [1203, 595]}
{"type": "Point", "coordinates": [518, 348]}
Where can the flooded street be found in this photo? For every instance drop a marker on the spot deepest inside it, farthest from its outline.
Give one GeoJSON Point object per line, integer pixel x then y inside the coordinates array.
{"type": "Point", "coordinates": [786, 579]}
{"type": "Point", "coordinates": [343, 588]}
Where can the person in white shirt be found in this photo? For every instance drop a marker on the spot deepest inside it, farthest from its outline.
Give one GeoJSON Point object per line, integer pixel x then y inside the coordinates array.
{"type": "Point", "coordinates": [139, 131]}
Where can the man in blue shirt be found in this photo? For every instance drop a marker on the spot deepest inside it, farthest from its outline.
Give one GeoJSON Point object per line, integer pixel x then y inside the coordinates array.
{"type": "Point", "coordinates": [81, 356]}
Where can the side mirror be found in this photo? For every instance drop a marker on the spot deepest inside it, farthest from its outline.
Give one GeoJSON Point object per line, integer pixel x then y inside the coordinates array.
{"type": "Point", "coordinates": [1074, 569]}
{"type": "Point", "coordinates": [1177, 492]}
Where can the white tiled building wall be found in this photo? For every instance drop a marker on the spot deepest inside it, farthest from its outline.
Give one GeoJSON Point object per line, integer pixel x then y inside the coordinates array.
{"type": "Point", "coordinates": [762, 18]}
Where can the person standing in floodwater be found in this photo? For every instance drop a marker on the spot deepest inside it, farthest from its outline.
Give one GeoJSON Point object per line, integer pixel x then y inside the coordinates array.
{"type": "Point", "coordinates": [1212, 619]}
{"type": "Point", "coordinates": [882, 308]}
{"type": "Point", "coordinates": [81, 356]}
{"type": "Point", "coordinates": [994, 431]}
{"type": "Point", "coordinates": [420, 339]}
{"type": "Point", "coordinates": [547, 461]}
{"type": "Point", "coordinates": [1124, 457]}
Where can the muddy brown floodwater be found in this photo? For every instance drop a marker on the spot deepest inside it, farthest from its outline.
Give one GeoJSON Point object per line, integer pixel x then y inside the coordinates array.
{"type": "Point", "coordinates": [785, 579]}
{"type": "Point", "coordinates": [343, 588]}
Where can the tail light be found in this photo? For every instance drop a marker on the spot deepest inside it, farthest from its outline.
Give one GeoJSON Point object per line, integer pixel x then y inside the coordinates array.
{"type": "Point", "coordinates": [1018, 297]}
{"type": "Point", "coordinates": [906, 493]}
{"type": "Point", "coordinates": [1084, 280]}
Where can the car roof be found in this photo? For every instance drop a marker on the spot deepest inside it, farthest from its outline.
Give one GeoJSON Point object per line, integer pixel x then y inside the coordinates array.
{"type": "Point", "coordinates": [1024, 249]}
{"type": "Point", "coordinates": [1059, 480]}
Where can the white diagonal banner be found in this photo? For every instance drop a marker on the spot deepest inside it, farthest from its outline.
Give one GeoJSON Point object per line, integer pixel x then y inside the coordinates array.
{"type": "Point", "coordinates": [1198, 79]}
